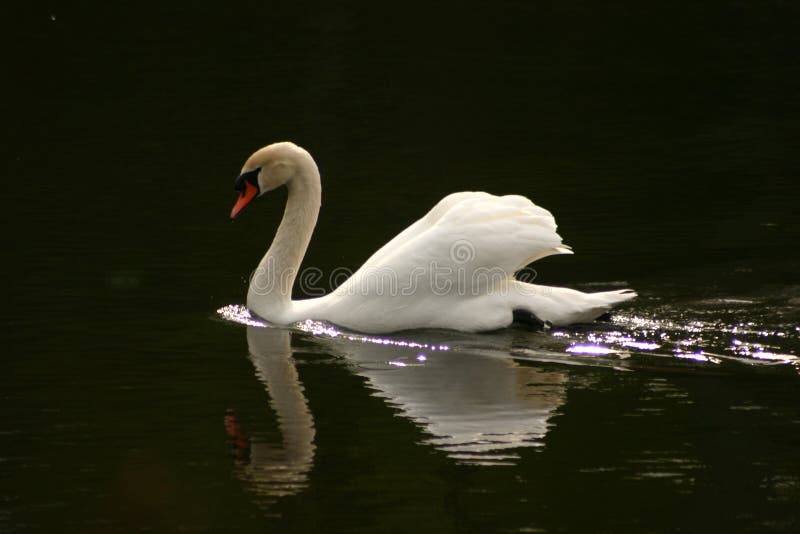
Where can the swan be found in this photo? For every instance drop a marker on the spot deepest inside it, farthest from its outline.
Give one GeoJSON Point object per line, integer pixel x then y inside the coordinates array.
{"type": "Point", "coordinates": [452, 269]}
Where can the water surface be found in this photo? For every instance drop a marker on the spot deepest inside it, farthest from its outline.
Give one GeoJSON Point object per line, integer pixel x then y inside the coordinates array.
{"type": "Point", "coordinates": [661, 136]}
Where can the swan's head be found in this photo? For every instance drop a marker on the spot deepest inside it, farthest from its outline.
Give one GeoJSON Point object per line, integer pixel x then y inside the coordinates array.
{"type": "Point", "coordinates": [267, 169]}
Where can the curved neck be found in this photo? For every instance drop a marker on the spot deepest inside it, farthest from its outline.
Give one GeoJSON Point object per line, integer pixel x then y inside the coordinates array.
{"type": "Point", "coordinates": [270, 291]}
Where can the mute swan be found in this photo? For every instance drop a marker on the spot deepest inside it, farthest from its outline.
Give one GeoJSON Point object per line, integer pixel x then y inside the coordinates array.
{"type": "Point", "coordinates": [453, 268]}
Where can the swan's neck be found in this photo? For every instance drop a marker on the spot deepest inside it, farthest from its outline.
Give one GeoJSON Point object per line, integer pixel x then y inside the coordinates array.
{"type": "Point", "coordinates": [270, 291]}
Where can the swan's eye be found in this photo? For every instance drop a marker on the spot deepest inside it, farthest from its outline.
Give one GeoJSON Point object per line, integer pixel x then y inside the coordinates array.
{"type": "Point", "coordinates": [249, 176]}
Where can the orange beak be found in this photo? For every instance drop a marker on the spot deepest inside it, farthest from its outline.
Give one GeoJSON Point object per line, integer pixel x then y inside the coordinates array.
{"type": "Point", "coordinates": [250, 192]}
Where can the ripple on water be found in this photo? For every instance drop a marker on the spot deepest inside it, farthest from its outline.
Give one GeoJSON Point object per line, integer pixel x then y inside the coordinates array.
{"type": "Point", "coordinates": [439, 378]}
{"type": "Point", "coordinates": [713, 334]}
{"type": "Point", "coordinates": [240, 314]}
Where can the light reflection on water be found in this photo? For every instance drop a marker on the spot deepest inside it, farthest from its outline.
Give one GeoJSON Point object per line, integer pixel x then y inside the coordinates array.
{"type": "Point", "coordinates": [240, 314]}
{"type": "Point", "coordinates": [475, 398]}
{"type": "Point", "coordinates": [706, 334]}
{"type": "Point", "coordinates": [674, 399]}
{"type": "Point", "coordinates": [660, 335]}
{"type": "Point", "coordinates": [717, 333]}
{"type": "Point", "coordinates": [475, 407]}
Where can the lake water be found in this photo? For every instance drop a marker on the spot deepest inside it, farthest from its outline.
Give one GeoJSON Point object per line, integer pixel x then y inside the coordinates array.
{"type": "Point", "coordinates": [138, 394]}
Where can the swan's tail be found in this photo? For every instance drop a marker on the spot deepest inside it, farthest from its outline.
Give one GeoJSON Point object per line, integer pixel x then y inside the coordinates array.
{"type": "Point", "coordinates": [561, 306]}
{"type": "Point", "coordinates": [612, 298]}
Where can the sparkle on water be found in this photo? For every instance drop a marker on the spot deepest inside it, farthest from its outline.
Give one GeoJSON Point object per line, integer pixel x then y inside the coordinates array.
{"type": "Point", "coordinates": [690, 337]}
{"type": "Point", "coordinates": [240, 314]}
{"type": "Point", "coordinates": [629, 336]}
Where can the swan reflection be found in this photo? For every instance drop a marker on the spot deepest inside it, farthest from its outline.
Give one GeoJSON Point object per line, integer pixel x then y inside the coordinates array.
{"type": "Point", "coordinates": [276, 470]}
{"type": "Point", "coordinates": [477, 408]}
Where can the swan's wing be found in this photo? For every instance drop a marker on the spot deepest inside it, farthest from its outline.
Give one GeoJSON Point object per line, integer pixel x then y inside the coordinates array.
{"type": "Point", "coordinates": [450, 269]}
{"type": "Point", "coordinates": [421, 225]}
{"type": "Point", "coordinates": [474, 230]}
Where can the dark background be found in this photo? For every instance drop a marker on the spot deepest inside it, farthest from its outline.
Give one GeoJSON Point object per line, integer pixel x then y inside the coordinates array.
{"type": "Point", "coordinates": [662, 135]}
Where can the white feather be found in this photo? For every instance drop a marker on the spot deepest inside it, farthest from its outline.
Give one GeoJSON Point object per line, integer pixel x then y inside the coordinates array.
{"type": "Point", "coordinates": [453, 268]}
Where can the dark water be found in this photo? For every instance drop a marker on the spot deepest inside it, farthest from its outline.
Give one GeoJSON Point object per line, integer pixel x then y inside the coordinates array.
{"type": "Point", "coordinates": [662, 136]}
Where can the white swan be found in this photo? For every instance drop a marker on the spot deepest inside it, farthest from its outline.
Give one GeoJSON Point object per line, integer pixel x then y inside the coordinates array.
{"type": "Point", "coordinates": [453, 268]}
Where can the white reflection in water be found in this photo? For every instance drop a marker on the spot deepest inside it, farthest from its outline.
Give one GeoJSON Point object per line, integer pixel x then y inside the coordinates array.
{"type": "Point", "coordinates": [476, 407]}
{"type": "Point", "coordinates": [473, 399]}
{"type": "Point", "coordinates": [579, 348]}
{"type": "Point", "coordinates": [277, 470]}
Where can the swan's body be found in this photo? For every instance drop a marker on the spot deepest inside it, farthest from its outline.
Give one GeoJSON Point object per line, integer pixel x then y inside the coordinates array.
{"type": "Point", "coordinates": [453, 268]}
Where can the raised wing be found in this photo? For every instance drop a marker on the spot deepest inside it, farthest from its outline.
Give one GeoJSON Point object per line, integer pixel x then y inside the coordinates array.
{"type": "Point", "coordinates": [454, 266]}
{"type": "Point", "coordinates": [474, 230]}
